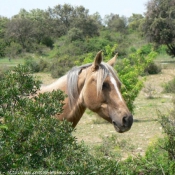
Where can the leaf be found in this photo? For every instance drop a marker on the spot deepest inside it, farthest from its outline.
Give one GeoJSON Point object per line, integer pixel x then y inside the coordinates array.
{"type": "Point", "coordinates": [4, 127]}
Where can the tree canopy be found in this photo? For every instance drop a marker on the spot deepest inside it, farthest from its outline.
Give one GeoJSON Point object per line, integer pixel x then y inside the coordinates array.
{"type": "Point", "coordinates": [159, 24]}
{"type": "Point", "coordinates": [71, 30]}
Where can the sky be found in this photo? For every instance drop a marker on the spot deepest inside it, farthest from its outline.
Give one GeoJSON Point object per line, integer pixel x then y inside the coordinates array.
{"type": "Point", "coordinates": [9, 8]}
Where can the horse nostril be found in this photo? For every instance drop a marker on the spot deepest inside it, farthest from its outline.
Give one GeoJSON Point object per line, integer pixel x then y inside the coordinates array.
{"type": "Point", "coordinates": [127, 121]}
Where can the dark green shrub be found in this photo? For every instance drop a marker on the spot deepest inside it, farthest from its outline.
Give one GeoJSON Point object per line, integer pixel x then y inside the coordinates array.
{"type": "Point", "coordinates": [162, 49]}
{"type": "Point", "coordinates": [152, 68]}
{"type": "Point", "coordinates": [13, 50]}
{"type": "Point", "coordinates": [48, 42]}
{"type": "Point", "coordinates": [37, 66]}
{"type": "Point", "coordinates": [75, 34]}
{"type": "Point", "coordinates": [133, 49]}
{"type": "Point", "coordinates": [59, 67]}
{"type": "Point", "coordinates": [32, 64]}
{"type": "Point", "coordinates": [43, 65]}
{"type": "Point", "coordinates": [3, 70]}
{"type": "Point", "coordinates": [3, 45]}
{"type": "Point", "coordinates": [31, 140]}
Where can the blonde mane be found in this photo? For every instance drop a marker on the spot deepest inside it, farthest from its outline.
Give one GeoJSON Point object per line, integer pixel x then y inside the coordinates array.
{"type": "Point", "coordinates": [72, 80]}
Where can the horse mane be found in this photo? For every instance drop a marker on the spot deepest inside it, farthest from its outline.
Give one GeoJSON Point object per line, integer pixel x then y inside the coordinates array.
{"type": "Point", "coordinates": [72, 80]}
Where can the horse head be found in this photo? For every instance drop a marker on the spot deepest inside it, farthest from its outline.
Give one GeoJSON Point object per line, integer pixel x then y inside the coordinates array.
{"type": "Point", "coordinates": [99, 90]}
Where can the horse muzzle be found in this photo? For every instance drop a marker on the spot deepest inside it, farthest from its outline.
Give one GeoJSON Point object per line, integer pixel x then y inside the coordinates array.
{"type": "Point", "coordinates": [123, 125]}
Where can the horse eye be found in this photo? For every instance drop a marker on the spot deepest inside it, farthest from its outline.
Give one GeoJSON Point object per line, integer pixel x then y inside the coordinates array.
{"type": "Point", "coordinates": [105, 86]}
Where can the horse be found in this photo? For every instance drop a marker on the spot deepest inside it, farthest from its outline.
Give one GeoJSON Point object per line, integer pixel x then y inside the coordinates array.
{"type": "Point", "coordinates": [97, 87]}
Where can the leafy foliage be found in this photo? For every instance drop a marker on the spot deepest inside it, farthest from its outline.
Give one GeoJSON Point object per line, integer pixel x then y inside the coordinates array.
{"type": "Point", "coordinates": [155, 161]}
{"type": "Point", "coordinates": [33, 141]}
{"type": "Point", "coordinates": [115, 22]}
{"type": "Point", "coordinates": [130, 69]}
{"type": "Point", "coordinates": [30, 137]}
{"type": "Point", "coordinates": [159, 23]}
{"type": "Point", "coordinates": [135, 22]}
{"type": "Point", "coordinates": [153, 68]}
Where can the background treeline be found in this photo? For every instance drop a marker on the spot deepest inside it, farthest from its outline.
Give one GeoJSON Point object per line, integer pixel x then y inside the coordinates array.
{"type": "Point", "coordinates": [66, 35]}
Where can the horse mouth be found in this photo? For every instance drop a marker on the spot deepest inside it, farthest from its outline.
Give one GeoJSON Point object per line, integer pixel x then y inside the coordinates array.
{"type": "Point", "coordinates": [124, 125]}
{"type": "Point", "coordinates": [121, 129]}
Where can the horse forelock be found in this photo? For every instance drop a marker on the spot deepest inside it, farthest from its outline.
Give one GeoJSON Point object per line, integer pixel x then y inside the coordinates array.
{"type": "Point", "coordinates": [72, 80]}
{"type": "Point", "coordinates": [104, 70]}
{"type": "Point", "coordinates": [72, 83]}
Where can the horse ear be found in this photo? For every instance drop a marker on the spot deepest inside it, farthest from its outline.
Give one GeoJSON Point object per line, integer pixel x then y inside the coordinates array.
{"type": "Point", "coordinates": [98, 59]}
{"type": "Point", "coordinates": [112, 61]}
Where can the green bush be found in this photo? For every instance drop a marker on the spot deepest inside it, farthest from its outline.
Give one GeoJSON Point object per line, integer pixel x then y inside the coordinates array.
{"type": "Point", "coordinates": [146, 49]}
{"type": "Point", "coordinates": [13, 50]}
{"type": "Point", "coordinates": [37, 66]}
{"type": "Point", "coordinates": [170, 86]}
{"type": "Point", "coordinates": [33, 141]}
{"type": "Point", "coordinates": [130, 70]}
{"type": "Point", "coordinates": [162, 49]}
{"type": "Point", "coordinates": [152, 68]}
{"type": "Point", "coordinates": [3, 45]}
{"type": "Point", "coordinates": [43, 65]}
{"type": "Point", "coordinates": [3, 70]}
{"type": "Point", "coordinates": [32, 64]}
{"type": "Point", "coordinates": [154, 162]}
{"type": "Point", "coordinates": [60, 66]}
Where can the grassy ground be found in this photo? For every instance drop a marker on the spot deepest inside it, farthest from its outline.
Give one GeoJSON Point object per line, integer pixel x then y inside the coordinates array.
{"type": "Point", "coordinates": [12, 62]}
{"type": "Point", "coordinates": [101, 136]}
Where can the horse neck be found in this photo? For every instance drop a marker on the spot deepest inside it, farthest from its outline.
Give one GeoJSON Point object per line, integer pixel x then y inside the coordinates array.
{"type": "Point", "coordinates": [59, 84]}
{"type": "Point", "coordinates": [76, 113]}
{"type": "Point", "coordinates": [73, 114]}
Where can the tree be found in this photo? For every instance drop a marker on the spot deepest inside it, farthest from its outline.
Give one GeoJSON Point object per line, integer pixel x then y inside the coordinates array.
{"type": "Point", "coordinates": [21, 31]}
{"type": "Point", "coordinates": [135, 21]}
{"type": "Point", "coordinates": [3, 41]}
{"type": "Point", "coordinates": [115, 23]}
{"type": "Point", "coordinates": [96, 16]}
{"type": "Point", "coordinates": [41, 30]}
{"type": "Point", "coordinates": [42, 26]}
{"type": "Point", "coordinates": [62, 14]}
{"type": "Point", "coordinates": [159, 25]}
{"type": "Point", "coordinates": [67, 17]}
{"type": "Point", "coordinates": [86, 23]}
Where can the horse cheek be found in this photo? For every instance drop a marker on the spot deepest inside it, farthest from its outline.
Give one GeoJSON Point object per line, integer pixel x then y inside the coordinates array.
{"type": "Point", "coordinates": [91, 98]}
